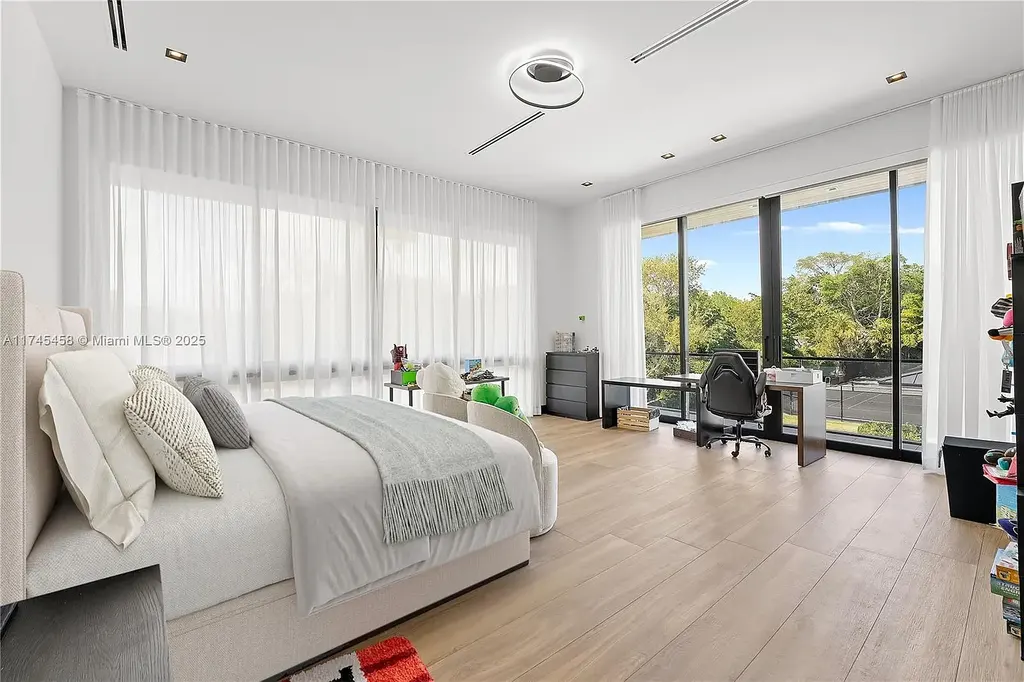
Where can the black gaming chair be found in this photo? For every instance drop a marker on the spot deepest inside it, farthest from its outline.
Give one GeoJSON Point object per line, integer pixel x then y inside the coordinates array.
{"type": "Point", "coordinates": [728, 389]}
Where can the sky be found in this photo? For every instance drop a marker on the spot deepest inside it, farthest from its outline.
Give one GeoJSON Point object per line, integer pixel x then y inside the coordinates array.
{"type": "Point", "coordinates": [858, 225]}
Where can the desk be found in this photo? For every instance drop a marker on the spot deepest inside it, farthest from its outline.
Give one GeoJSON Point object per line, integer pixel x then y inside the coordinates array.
{"type": "Point", "coordinates": [615, 394]}
{"type": "Point", "coordinates": [413, 387]}
{"type": "Point", "coordinates": [810, 411]}
{"type": "Point", "coordinates": [810, 415]}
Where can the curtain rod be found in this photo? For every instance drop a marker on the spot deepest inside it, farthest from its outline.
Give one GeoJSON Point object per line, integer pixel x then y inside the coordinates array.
{"type": "Point", "coordinates": [813, 135]}
{"type": "Point", "coordinates": [112, 98]}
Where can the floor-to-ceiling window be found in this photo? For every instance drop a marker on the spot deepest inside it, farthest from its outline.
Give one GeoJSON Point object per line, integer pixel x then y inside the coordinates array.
{"type": "Point", "coordinates": [723, 306]}
{"type": "Point", "coordinates": [662, 305]}
{"type": "Point", "coordinates": [842, 267]}
{"type": "Point", "coordinates": [837, 299]}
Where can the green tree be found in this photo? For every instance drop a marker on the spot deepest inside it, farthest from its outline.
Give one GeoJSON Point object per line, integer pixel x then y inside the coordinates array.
{"type": "Point", "coordinates": [834, 304]}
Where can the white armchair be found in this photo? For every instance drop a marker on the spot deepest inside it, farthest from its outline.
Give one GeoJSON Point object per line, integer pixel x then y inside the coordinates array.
{"type": "Point", "coordinates": [445, 405]}
{"type": "Point", "coordinates": [545, 464]}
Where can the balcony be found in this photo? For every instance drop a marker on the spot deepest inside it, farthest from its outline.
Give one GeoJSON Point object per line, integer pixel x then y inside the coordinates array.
{"type": "Point", "coordinates": [859, 396]}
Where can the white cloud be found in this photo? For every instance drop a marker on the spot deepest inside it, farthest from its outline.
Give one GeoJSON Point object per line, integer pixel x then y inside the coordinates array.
{"type": "Point", "coordinates": [837, 226]}
{"type": "Point", "coordinates": [706, 262]}
{"type": "Point", "coordinates": [786, 228]}
{"type": "Point", "coordinates": [911, 230]}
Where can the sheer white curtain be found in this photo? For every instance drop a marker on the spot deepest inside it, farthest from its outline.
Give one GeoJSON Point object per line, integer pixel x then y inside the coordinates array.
{"type": "Point", "coordinates": [458, 277]}
{"type": "Point", "coordinates": [244, 257]}
{"type": "Point", "coordinates": [622, 301]}
{"type": "Point", "coordinates": [977, 150]}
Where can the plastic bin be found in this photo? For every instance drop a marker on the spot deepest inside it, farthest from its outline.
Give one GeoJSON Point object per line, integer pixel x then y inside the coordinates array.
{"type": "Point", "coordinates": [972, 497]}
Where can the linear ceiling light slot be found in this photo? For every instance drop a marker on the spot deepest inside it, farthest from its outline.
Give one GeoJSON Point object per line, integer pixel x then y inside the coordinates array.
{"type": "Point", "coordinates": [698, 23]}
{"type": "Point", "coordinates": [117, 25]}
{"type": "Point", "coordinates": [505, 133]}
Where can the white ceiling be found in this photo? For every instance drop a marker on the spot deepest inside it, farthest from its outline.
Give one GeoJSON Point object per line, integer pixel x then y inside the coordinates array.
{"type": "Point", "coordinates": [419, 84]}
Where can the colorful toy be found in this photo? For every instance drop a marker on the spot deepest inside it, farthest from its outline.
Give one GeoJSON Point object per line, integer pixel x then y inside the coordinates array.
{"type": "Point", "coordinates": [486, 393]}
{"type": "Point", "coordinates": [491, 394]}
{"type": "Point", "coordinates": [510, 404]}
{"type": "Point", "coordinates": [398, 356]}
{"type": "Point", "coordinates": [438, 377]}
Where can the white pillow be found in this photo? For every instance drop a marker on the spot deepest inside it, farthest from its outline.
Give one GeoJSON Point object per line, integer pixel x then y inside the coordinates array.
{"type": "Point", "coordinates": [175, 438]}
{"type": "Point", "coordinates": [81, 409]}
{"type": "Point", "coordinates": [143, 373]}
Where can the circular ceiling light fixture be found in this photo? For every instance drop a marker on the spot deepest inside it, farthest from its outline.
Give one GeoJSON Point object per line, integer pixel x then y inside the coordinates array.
{"type": "Point", "coordinates": [546, 82]}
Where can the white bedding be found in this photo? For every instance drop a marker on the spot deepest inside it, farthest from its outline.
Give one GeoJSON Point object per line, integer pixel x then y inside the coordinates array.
{"type": "Point", "coordinates": [209, 550]}
{"type": "Point", "coordinates": [213, 550]}
{"type": "Point", "coordinates": [335, 509]}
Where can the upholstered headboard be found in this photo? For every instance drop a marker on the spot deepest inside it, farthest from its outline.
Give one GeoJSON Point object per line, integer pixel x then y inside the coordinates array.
{"type": "Point", "coordinates": [29, 478]}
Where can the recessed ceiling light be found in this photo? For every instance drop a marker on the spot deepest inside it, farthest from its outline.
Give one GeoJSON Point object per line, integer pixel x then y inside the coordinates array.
{"type": "Point", "coordinates": [896, 77]}
{"type": "Point", "coordinates": [718, 138]}
{"type": "Point", "coordinates": [175, 55]}
{"type": "Point", "coordinates": [587, 184]}
{"type": "Point", "coordinates": [669, 155]}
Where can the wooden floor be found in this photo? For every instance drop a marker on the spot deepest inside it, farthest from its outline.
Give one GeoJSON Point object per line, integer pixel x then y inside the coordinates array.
{"type": "Point", "coordinates": [671, 563]}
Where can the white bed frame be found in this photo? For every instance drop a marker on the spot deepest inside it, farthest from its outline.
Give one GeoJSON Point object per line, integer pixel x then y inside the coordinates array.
{"type": "Point", "coordinates": [252, 637]}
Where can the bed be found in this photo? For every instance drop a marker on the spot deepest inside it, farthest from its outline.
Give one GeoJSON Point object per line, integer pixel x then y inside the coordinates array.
{"type": "Point", "coordinates": [227, 564]}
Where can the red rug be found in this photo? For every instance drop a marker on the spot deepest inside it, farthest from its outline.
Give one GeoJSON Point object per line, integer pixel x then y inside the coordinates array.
{"type": "Point", "coordinates": [393, 660]}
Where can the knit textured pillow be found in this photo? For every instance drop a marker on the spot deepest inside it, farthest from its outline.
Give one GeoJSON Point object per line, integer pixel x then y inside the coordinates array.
{"type": "Point", "coordinates": [144, 373]}
{"type": "Point", "coordinates": [174, 437]}
{"type": "Point", "coordinates": [219, 410]}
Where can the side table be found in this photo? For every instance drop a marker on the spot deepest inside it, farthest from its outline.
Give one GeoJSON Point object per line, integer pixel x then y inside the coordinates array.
{"type": "Point", "coordinates": [104, 631]}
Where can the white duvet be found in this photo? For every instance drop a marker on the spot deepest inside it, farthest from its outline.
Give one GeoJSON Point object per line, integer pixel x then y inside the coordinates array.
{"type": "Point", "coordinates": [333, 495]}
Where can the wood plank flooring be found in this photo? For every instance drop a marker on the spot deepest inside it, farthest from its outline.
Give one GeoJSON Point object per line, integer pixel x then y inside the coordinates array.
{"type": "Point", "coordinates": [672, 563]}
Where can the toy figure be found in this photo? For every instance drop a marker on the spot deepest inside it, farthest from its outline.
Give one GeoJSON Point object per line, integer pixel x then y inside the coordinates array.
{"type": "Point", "coordinates": [398, 356]}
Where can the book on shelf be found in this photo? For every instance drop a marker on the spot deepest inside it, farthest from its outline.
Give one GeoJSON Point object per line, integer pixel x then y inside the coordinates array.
{"type": "Point", "coordinates": [1011, 610]}
{"type": "Point", "coordinates": [1013, 629]}
{"type": "Point", "coordinates": [1006, 566]}
{"type": "Point", "coordinates": [1002, 564]}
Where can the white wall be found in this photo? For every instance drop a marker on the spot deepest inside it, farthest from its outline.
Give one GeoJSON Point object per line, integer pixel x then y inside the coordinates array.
{"type": "Point", "coordinates": [892, 139]}
{"type": "Point", "coordinates": [30, 156]}
{"type": "Point", "coordinates": [881, 142]}
{"type": "Point", "coordinates": [564, 258]}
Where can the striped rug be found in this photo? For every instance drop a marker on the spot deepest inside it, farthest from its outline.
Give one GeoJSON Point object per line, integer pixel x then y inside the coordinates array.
{"type": "Point", "coordinates": [393, 660]}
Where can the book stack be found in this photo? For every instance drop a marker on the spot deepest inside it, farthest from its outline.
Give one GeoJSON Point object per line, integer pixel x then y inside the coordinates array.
{"type": "Point", "coordinates": [1005, 582]}
{"type": "Point", "coordinates": [638, 418]}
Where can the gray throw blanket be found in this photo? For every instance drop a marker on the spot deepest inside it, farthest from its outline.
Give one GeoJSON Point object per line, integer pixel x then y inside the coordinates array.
{"type": "Point", "coordinates": [438, 476]}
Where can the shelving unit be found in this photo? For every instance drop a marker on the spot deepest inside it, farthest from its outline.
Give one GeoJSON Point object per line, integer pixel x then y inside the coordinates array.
{"type": "Point", "coordinates": [1017, 270]}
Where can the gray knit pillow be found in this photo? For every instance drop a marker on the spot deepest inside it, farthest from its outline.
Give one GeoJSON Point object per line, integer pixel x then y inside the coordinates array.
{"type": "Point", "coordinates": [219, 410]}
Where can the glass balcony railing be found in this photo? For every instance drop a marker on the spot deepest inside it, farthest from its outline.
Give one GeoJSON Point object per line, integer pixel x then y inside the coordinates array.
{"type": "Point", "coordinates": [859, 394]}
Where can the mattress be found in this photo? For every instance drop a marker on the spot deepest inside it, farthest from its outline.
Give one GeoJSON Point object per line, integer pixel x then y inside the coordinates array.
{"type": "Point", "coordinates": [209, 550]}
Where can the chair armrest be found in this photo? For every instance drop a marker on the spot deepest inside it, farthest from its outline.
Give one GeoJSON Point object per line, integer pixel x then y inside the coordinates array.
{"type": "Point", "coordinates": [500, 421]}
{"type": "Point", "coordinates": [759, 386]}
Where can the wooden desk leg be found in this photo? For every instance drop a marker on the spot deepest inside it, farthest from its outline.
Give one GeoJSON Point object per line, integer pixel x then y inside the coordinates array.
{"type": "Point", "coordinates": [391, 394]}
{"type": "Point", "coordinates": [810, 435]}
